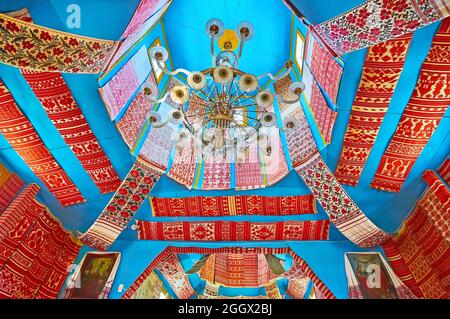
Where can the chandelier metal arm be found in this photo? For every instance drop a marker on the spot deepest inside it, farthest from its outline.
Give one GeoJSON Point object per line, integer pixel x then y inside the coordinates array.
{"type": "Point", "coordinates": [241, 48]}
{"type": "Point", "coordinates": [287, 101]}
{"type": "Point", "coordinates": [162, 99]}
{"type": "Point", "coordinates": [172, 73]}
{"type": "Point", "coordinates": [279, 77]}
{"type": "Point", "coordinates": [239, 97]}
{"type": "Point", "coordinates": [231, 105]}
{"type": "Point", "coordinates": [247, 97]}
{"type": "Point", "coordinates": [244, 106]}
{"type": "Point", "coordinates": [213, 55]}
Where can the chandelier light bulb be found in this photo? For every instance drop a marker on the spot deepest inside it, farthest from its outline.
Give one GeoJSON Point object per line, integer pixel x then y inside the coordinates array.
{"type": "Point", "coordinates": [150, 92]}
{"type": "Point", "coordinates": [196, 80]}
{"type": "Point", "coordinates": [214, 28]}
{"type": "Point", "coordinates": [245, 31]}
{"type": "Point", "coordinates": [225, 124]}
{"type": "Point", "coordinates": [159, 53]}
{"type": "Point", "coordinates": [179, 94]}
{"type": "Point", "coordinates": [223, 74]}
{"type": "Point", "coordinates": [155, 119]}
{"type": "Point", "coordinates": [268, 119]}
{"type": "Point", "coordinates": [290, 124]}
{"type": "Point", "coordinates": [264, 99]}
{"type": "Point", "coordinates": [248, 83]}
{"type": "Point", "coordinates": [297, 88]}
{"type": "Point", "coordinates": [176, 116]}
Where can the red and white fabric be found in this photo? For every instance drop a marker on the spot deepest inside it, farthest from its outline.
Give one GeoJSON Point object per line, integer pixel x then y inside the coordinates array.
{"type": "Point", "coordinates": [123, 205]}
{"type": "Point", "coordinates": [118, 91]}
{"type": "Point", "coordinates": [233, 231]}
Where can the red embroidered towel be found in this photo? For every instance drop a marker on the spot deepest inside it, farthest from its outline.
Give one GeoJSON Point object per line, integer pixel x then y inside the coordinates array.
{"type": "Point", "coordinates": [381, 72]}
{"type": "Point", "coordinates": [233, 231]}
{"type": "Point", "coordinates": [123, 205]}
{"type": "Point", "coordinates": [426, 107]}
{"type": "Point", "coordinates": [233, 205]}
{"type": "Point", "coordinates": [378, 21]}
{"type": "Point", "coordinates": [20, 133]}
{"type": "Point", "coordinates": [177, 278]}
{"type": "Point", "coordinates": [62, 109]}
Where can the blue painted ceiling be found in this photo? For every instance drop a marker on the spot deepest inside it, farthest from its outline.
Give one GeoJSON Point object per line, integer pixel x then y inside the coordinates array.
{"type": "Point", "coordinates": [189, 47]}
{"type": "Point", "coordinates": [189, 44]}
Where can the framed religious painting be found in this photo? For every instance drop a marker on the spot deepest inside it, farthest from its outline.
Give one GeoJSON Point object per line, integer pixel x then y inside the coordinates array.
{"type": "Point", "coordinates": [93, 277]}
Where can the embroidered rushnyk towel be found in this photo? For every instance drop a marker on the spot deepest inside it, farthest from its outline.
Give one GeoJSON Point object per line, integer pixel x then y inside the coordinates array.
{"type": "Point", "coordinates": [24, 139]}
{"type": "Point", "coordinates": [34, 47]}
{"type": "Point", "coordinates": [10, 185]}
{"type": "Point", "coordinates": [123, 205]}
{"type": "Point", "coordinates": [321, 289]}
{"type": "Point", "coordinates": [16, 220]}
{"type": "Point", "coordinates": [118, 91]}
{"type": "Point", "coordinates": [444, 171]}
{"type": "Point", "coordinates": [33, 240]}
{"type": "Point", "coordinates": [381, 72]}
{"type": "Point", "coordinates": [247, 166]}
{"type": "Point", "coordinates": [272, 290]}
{"type": "Point", "coordinates": [185, 159]}
{"type": "Point", "coordinates": [233, 205]}
{"type": "Point", "coordinates": [62, 109]}
{"type": "Point", "coordinates": [308, 163]}
{"type": "Point", "coordinates": [437, 206]}
{"type": "Point", "coordinates": [211, 291]}
{"type": "Point", "coordinates": [216, 173]}
{"type": "Point", "coordinates": [175, 275]}
{"type": "Point", "coordinates": [145, 10]}
{"type": "Point", "coordinates": [135, 37]}
{"type": "Point", "coordinates": [274, 162]}
{"type": "Point", "coordinates": [378, 21]}
{"type": "Point", "coordinates": [420, 251]}
{"type": "Point", "coordinates": [184, 163]}
{"type": "Point", "coordinates": [132, 122]}
{"type": "Point", "coordinates": [237, 270]}
{"type": "Point", "coordinates": [158, 145]}
{"type": "Point", "coordinates": [298, 282]}
{"type": "Point", "coordinates": [323, 115]}
{"type": "Point", "coordinates": [233, 231]}
{"type": "Point", "coordinates": [326, 70]}
{"type": "Point", "coordinates": [425, 109]}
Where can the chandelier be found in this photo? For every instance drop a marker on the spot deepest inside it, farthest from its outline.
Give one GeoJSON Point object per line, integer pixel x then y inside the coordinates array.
{"type": "Point", "coordinates": [234, 108]}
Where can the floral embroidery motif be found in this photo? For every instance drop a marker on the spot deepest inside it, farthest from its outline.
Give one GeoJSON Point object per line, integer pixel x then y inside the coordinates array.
{"type": "Point", "coordinates": [377, 21]}
{"type": "Point", "coordinates": [35, 47]}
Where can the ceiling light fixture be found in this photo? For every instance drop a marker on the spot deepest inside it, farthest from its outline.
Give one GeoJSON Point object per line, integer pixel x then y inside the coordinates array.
{"type": "Point", "coordinates": [236, 107]}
